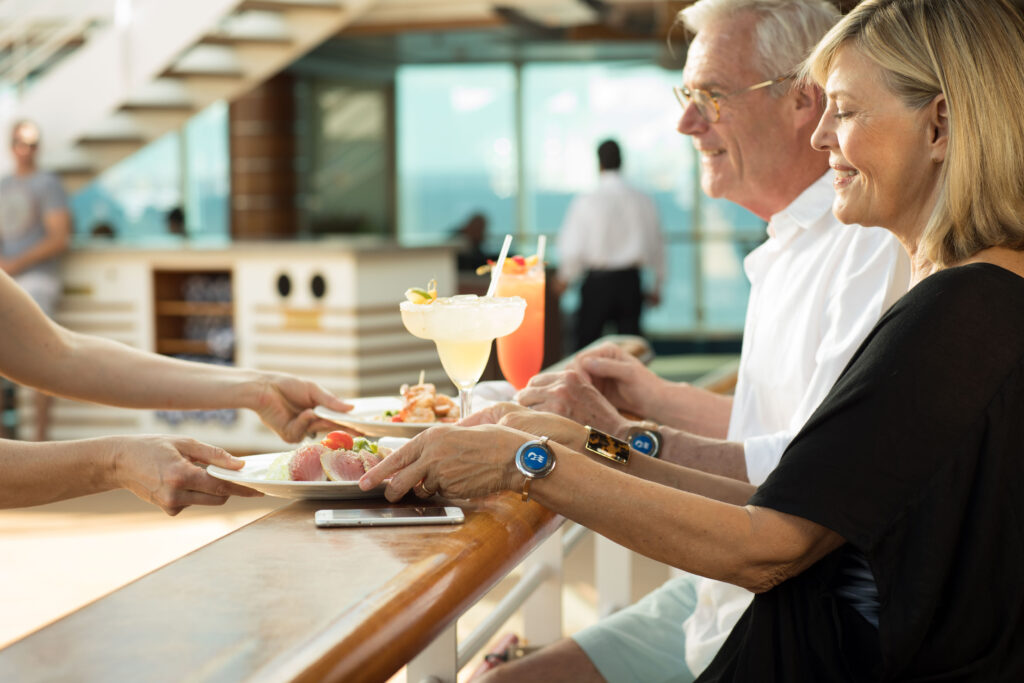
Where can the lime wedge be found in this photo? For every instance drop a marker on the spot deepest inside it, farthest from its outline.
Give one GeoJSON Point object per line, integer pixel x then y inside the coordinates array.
{"type": "Point", "coordinates": [418, 296]}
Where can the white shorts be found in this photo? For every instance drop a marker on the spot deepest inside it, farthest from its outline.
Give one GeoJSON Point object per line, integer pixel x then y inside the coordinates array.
{"type": "Point", "coordinates": [645, 642]}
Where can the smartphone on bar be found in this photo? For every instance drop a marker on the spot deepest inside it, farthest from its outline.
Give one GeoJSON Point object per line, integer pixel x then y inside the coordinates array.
{"type": "Point", "coordinates": [390, 516]}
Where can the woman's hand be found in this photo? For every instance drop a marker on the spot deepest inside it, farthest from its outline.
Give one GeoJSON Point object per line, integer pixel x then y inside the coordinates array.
{"type": "Point", "coordinates": [568, 393]}
{"type": "Point", "coordinates": [165, 471]}
{"type": "Point", "coordinates": [457, 462]}
{"type": "Point", "coordinates": [285, 404]}
{"type": "Point", "coordinates": [557, 428]}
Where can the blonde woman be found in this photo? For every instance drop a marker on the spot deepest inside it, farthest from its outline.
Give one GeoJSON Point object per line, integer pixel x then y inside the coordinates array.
{"type": "Point", "coordinates": [899, 556]}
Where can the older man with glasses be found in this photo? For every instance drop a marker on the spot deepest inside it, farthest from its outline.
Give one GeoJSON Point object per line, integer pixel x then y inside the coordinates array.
{"type": "Point", "coordinates": [817, 289]}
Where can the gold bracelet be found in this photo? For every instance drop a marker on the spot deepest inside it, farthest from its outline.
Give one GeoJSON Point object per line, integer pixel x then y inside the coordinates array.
{"type": "Point", "coordinates": [607, 446]}
{"type": "Point", "coordinates": [526, 489]}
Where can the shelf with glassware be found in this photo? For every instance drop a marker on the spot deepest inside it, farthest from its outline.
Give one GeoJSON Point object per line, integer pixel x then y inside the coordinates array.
{"type": "Point", "coordinates": [194, 320]}
{"type": "Point", "coordinates": [194, 314]}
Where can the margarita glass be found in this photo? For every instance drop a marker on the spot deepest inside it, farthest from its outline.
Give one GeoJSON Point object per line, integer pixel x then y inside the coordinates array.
{"type": "Point", "coordinates": [463, 328]}
{"type": "Point", "coordinates": [521, 353]}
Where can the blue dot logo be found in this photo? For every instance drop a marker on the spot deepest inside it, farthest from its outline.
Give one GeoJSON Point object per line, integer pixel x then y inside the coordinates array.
{"type": "Point", "coordinates": [535, 457]}
{"type": "Point", "coordinates": [643, 444]}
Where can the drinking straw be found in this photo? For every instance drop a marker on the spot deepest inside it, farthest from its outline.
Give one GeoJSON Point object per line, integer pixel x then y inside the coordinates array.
{"type": "Point", "coordinates": [496, 271]}
{"type": "Point", "coordinates": [542, 243]}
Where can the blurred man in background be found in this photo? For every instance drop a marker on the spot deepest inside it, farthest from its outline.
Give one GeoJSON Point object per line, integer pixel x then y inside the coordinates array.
{"type": "Point", "coordinates": [35, 229]}
{"type": "Point", "coordinates": [608, 236]}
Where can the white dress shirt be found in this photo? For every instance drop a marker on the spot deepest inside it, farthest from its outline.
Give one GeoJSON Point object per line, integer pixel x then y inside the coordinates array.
{"type": "Point", "coordinates": [817, 288]}
{"type": "Point", "coordinates": [612, 228]}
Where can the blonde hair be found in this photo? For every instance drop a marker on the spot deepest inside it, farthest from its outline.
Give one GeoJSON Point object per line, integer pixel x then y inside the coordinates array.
{"type": "Point", "coordinates": [786, 30]}
{"type": "Point", "coordinates": [970, 52]}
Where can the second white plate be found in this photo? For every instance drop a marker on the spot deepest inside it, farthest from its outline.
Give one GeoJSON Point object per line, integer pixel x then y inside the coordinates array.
{"type": "Point", "coordinates": [367, 416]}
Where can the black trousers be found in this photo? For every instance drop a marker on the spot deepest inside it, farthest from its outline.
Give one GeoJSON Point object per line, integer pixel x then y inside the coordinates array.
{"type": "Point", "coordinates": [609, 296]}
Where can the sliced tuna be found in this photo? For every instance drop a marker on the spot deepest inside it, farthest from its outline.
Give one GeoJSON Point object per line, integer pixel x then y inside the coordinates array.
{"type": "Point", "coordinates": [342, 465]}
{"type": "Point", "coordinates": [305, 464]}
{"type": "Point", "coordinates": [369, 459]}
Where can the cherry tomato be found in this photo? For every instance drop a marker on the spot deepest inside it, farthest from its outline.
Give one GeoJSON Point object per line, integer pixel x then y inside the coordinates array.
{"type": "Point", "coordinates": [338, 440]}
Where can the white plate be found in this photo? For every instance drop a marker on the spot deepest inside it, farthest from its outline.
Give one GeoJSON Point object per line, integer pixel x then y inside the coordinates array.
{"type": "Point", "coordinates": [366, 414]}
{"type": "Point", "coordinates": [254, 473]}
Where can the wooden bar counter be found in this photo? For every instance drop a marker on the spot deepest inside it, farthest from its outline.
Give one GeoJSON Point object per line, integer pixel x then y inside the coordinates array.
{"type": "Point", "coordinates": [281, 600]}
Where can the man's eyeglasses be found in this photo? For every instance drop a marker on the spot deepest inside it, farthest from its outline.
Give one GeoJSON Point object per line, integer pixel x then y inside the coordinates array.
{"type": "Point", "coordinates": [707, 103]}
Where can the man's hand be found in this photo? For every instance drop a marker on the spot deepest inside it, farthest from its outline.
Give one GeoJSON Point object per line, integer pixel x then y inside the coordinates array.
{"type": "Point", "coordinates": [492, 414]}
{"type": "Point", "coordinates": [569, 394]}
{"type": "Point", "coordinates": [165, 471]}
{"type": "Point", "coordinates": [620, 377]}
{"type": "Point", "coordinates": [285, 404]}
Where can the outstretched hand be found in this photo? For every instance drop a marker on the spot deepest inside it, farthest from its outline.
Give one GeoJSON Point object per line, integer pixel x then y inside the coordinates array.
{"type": "Point", "coordinates": [166, 471]}
{"type": "Point", "coordinates": [285, 404]}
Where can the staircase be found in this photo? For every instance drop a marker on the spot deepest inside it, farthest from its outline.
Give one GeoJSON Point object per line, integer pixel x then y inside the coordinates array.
{"type": "Point", "coordinates": [156, 64]}
{"type": "Point", "coordinates": [103, 78]}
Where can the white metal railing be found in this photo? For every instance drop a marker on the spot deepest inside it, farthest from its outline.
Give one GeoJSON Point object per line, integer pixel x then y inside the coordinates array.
{"type": "Point", "coordinates": [538, 592]}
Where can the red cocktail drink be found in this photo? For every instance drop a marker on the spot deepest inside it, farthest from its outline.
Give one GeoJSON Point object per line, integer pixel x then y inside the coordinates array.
{"type": "Point", "coordinates": [521, 354]}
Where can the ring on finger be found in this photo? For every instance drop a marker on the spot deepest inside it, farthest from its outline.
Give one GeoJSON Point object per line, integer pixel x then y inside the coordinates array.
{"type": "Point", "coordinates": [426, 493]}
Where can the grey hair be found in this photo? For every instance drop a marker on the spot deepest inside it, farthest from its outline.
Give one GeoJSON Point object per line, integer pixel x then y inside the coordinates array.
{"type": "Point", "coordinates": [787, 30]}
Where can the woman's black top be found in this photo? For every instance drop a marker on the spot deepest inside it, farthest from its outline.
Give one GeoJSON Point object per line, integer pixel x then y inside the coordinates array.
{"type": "Point", "coordinates": [916, 458]}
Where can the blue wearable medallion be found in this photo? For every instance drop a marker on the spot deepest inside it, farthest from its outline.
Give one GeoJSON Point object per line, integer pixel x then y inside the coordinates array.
{"type": "Point", "coordinates": [643, 443]}
{"type": "Point", "coordinates": [535, 457]}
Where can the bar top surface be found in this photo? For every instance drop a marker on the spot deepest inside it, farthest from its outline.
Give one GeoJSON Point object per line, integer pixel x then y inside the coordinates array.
{"type": "Point", "coordinates": [280, 599]}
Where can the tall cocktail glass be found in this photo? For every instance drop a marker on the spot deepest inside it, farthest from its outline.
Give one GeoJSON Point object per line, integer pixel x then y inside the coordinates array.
{"type": "Point", "coordinates": [521, 354]}
{"type": "Point", "coordinates": [463, 328]}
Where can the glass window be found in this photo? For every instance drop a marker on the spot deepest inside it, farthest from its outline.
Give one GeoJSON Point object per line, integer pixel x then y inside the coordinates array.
{"type": "Point", "coordinates": [456, 149]}
{"type": "Point", "coordinates": [727, 234]}
{"type": "Point", "coordinates": [568, 109]}
{"type": "Point", "coordinates": [208, 173]}
{"type": "Point", "coordinates": [134, 196]}
{"type": "Point", "coordinates": [350, 178]}
{"type": "Point", "coordinates": [563, 112]}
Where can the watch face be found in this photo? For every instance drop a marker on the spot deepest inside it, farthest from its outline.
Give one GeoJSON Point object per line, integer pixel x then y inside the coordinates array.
{"type": "Point", "coordinates": [643, 443]}
{"type": "Point", "coordinates": [535, 457]}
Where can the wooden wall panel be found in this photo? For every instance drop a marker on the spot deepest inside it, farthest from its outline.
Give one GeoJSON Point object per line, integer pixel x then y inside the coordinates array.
{"type": "Point", "coordinates": [263, 149]}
